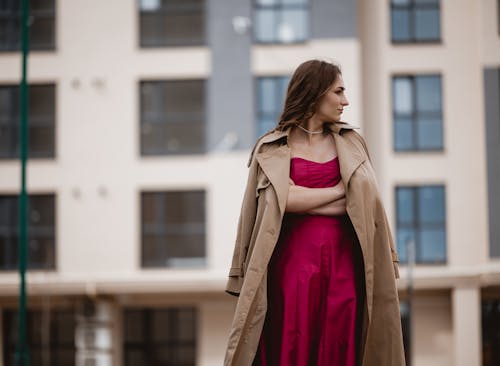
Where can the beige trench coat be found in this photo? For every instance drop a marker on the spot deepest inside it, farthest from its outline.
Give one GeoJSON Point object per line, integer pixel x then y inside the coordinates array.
{"type": "Point", "coordinates": [258, 230]}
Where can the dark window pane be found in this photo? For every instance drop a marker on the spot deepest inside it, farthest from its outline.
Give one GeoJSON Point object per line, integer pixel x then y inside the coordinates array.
{"type": "Point", "coordinates": [417, 111]}
{"type": "Point", "coordinates": [172, 23]}
{"type": "Point", "coordinates": [173, 229]}
{"type": "Point", "coordinates": [400, 22]}
{"type": "Point", "coordinates": [42, 33]}
{"type": "Point", "coordinates": [432, 245]}
{"type": "Point", "coordinates": [428, 93]}
{"type": "Point", "coordinates": [426, 24]}
{"type": "Point", "coordinates": [293, 26]}
{"type": "Point", "coordinates": [160, 326]}
{"type": "Point", "coordinates": [294, 2]}
{"type": "Point", "coordinates": [267, 2]}
{"type": "Point", "coordinates": [415, 21]}
{"type": "Point", "coordinates": [188, 318]}
{"type": "Point", "coordinates": [166, 336]}
{"type": "Point", "coordinates": [41, 121]}
{"type": "Point", "coordinates": [183, 207]}
{"type": "Point", "coordinates": [403, 95]}
{"type": "Point", "coordinates": [430, 133]}
{"type": "Point", "coordinates": [405, 206]}
{"type": "Point", "coordinates": [271, 92]}
{"type": "Point", "coordinates": [173, 117]}
{"type": "Point", "coordinates": [42, 30]}
{"type": "Point", "coordinates": [404, 241]}
{"type": "Point", "coordinates": [153, 135]}
{"type": "Point", "coordinates": [267, 95]}
{"type": "Point", "coordinates": [265, 20]}
{"type": "Point", "coordinates": [41, 232]}
{"type": "Point", "coordinates": [50, 336]}
{"type": "Point", "coordinates": [421, 217]}
{"type": "Point", "coordinates": [265, 124]}
{"type": "Point", "coordinates": [490, 319]}
{"type": "Point", "coordinates": [153, 250]}
{"type": "Point", "coordinates": [431, 205]}
{"type": "Point", "coordinates": [281, 22]}
{"type": "Point", "coordinates": [134, 326]}
{"type": "Point", "coordinates": [403, 134]}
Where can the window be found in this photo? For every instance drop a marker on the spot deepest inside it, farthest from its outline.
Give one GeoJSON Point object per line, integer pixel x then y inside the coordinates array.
{"type": "Point", "coordinates": [421, 220]}
{"type": "Point", "coordinates": [490, 319]}
{"type": "Point", "coordinates": [160, 336]}
{"type": "Point", "coordinates": [415, 21]}
{"type": "Point", "coordinates": [173, 229]}
{"type": "Point", "coordinates": [271, 93]}
{"type": "Point", "coordinates": [42, 30]}
{"type": "Point", "coordinates": [417, 113]}
{"type": "Point", "coordinates": [41, 232]}
{"type": "Point", "coordinates": [51, 343]}
{"type": "Point", "coordinates": [281, 21]}
{"type": "Point", "coordinates": [172, 23]}
{"type": "Point", "coordinates": [172, 117]}
{"type": "Point", "coordinates": [41, 121]}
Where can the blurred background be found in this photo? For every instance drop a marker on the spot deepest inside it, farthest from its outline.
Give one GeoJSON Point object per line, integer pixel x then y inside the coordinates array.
{"type": "Point", "coordinates": [142, 115]}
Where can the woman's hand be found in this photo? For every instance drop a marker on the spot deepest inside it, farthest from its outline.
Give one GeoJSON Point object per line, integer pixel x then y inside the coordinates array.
{"type": "Point", "coordinates": [319, 201]}
{"type": "Point", "coordinates": [337, 207]}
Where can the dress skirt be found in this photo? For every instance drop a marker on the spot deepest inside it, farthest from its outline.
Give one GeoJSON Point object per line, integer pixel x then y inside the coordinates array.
{"type": "Point", "coordinates": [315, 286]}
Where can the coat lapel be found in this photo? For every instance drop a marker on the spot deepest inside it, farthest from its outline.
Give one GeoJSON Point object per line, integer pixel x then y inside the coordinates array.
{"type": "Point", "coordinates": [275, 160]}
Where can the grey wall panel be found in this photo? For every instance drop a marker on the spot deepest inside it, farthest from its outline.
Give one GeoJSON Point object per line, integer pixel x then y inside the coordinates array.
{"type": "Point", "coordinates": [230, 104]}
{"type": "Point", "coordinates": [492, 109]}
{"type": "Point", "coordinates": [333, 18]}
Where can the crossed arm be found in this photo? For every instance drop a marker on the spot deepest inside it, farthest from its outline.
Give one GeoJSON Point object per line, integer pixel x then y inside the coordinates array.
{"type": "Point", "coordinates": [317, 201]}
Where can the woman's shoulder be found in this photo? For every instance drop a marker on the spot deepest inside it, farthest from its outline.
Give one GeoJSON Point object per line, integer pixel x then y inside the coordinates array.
{"type": "Point", "coordinates": [258, 143]}
{"type": "Point", "coordinates": [361, 140]}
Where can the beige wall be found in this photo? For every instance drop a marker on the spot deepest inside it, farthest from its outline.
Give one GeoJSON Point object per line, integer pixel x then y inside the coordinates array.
{"type": "Point", "coordinates": [446, 327]}
{"type": "Point", "coordinates": [97, 177]}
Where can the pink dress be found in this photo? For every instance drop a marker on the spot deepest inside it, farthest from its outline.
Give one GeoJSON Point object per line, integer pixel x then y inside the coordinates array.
{"type": "Point", "coordinates": [315, 284]}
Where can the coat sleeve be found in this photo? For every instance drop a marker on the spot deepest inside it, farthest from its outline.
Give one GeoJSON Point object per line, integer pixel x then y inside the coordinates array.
{"type": "Point", "coordinates": [394, 253]}
{"type": "Point", "coordinates": [246, 223]}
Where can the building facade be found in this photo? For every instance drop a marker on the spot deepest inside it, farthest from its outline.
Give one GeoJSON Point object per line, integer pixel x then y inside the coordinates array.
{"type": "Point", "coordinates": [135, 104]}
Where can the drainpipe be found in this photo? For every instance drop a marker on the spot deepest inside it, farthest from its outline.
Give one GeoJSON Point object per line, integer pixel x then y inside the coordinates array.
{"type": "Point", "coordinates": [22, 352]}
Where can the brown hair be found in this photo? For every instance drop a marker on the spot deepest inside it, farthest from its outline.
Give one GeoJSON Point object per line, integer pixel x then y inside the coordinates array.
{"type": "Point", "coordinates": [309, 83]}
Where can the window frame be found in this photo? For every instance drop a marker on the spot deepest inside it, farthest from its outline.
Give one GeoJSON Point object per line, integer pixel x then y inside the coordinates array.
{"type": "Point", "coordinates": [417, 226]}
{"type": "Point", "coordinates": [161, 229]}
{"type": "Point", "coordinates": [12, 121]}
{"type": "Point", "coordinates": [411, 8]}
{"type": "Point", "coordinates": [279, 7]}
{"type": "Point", "coordinates": [201, 122]}
{"type": "Point", "coordinates": [285, 79]}
{"type": "Point", "coordinates": [415, 114]}
{"type": "Point", "coordinates": [11, 230]}
{"type": "Point", "coordinates": [173, 11]}
{"type": "Point", "coordinates": [149, 344]}
{"type": "Point", "coordinates": [10, 18]}
{"type": "Point", "coordinates": [34, 318]}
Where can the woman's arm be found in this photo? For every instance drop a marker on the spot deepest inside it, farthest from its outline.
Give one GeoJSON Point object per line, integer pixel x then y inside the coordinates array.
{"type": "Point", "coordinates": [333, 208]}
{"type": "Point", "coordinates": [302, 199]}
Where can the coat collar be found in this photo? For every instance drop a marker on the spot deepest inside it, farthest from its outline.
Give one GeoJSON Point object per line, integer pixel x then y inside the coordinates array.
{"type": "Point", "coordinates": [275, 158]}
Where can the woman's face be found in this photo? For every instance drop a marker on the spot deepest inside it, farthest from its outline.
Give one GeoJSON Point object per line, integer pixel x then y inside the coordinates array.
{"type": "Point", "coordinates": [334, 101]}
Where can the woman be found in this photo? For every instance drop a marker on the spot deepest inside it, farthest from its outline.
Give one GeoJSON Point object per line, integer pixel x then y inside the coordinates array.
{"type": "Point", "coordinates": [314, 263]}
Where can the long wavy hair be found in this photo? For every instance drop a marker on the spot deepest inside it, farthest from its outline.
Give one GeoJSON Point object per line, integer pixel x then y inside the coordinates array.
{"type": "Point", "coordinates": [308, 84]}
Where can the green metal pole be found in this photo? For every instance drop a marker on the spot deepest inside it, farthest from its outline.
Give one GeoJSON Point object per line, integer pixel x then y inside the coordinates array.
{"type": "Point", "coordinates": [22, 352]}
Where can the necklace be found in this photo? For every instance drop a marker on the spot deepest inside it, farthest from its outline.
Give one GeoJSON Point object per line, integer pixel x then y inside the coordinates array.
{"type": "Point", "coordinates": [309, 132]}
